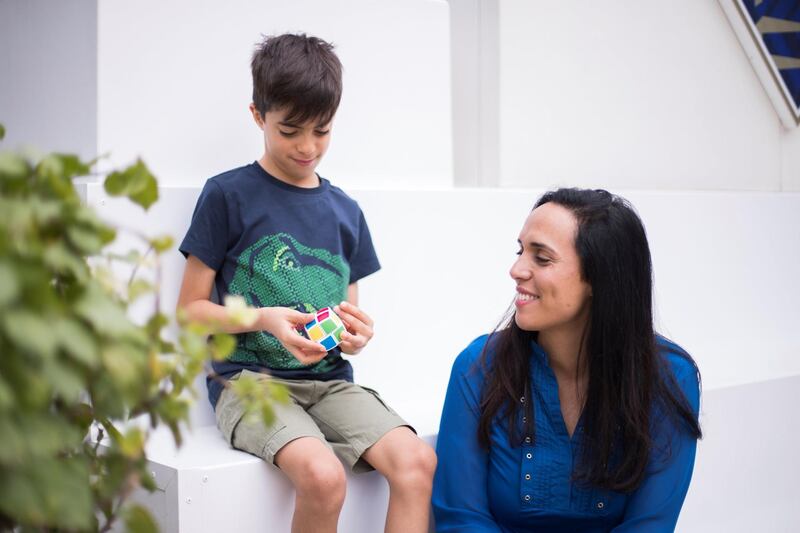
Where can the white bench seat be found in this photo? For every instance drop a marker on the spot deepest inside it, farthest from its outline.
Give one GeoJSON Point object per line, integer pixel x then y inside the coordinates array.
{"type": "Point", "coordinates": [207, 486]}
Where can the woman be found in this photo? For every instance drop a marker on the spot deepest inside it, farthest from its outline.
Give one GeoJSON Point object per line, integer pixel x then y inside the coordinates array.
{"type": "Point", "coordinates": [574, 416]}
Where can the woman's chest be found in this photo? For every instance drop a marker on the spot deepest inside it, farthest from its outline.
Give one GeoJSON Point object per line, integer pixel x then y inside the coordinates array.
{"type": "Point", "coordinates": [534, 482]}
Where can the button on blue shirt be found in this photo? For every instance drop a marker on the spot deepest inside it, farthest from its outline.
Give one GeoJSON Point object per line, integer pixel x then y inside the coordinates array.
{"type": "Point", "coordinates": [530, 487]}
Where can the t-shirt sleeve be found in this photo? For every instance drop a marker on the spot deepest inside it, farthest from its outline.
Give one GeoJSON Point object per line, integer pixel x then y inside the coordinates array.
{"type": "Point", "coordinates": [207, 236]}
{"type": "Point", "coordinates": [363, 261]}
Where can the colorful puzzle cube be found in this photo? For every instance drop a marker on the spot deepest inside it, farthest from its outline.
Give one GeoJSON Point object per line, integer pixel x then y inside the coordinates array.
{"type": "Point", "coordinates": [326, 328]}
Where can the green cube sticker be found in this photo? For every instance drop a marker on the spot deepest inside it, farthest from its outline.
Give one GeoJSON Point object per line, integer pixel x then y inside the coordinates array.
{"type": "Point", "coordinates": [328, 326]}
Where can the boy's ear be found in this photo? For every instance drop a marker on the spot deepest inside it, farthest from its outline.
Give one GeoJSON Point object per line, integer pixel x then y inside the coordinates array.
{"type": "Point", "coordinates": [257, 116]}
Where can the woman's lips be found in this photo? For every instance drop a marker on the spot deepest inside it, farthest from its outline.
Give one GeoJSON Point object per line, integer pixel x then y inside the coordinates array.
{"type": "Point", "coordinates": [524, 297]}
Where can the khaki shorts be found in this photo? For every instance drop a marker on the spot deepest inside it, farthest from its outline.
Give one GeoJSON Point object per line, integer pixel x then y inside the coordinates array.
{"type": "Point", "coordinates": [348, 418]}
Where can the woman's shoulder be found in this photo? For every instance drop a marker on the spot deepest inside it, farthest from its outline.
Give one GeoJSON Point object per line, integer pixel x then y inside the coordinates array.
{"type": "Point", "coordinates": [469, 358]}
{"type": "Point", "coordinates": [681, 364]}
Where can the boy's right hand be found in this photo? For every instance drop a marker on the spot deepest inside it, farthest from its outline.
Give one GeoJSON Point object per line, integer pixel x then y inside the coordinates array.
{"type": "Point", "coordinates": [283, 323]}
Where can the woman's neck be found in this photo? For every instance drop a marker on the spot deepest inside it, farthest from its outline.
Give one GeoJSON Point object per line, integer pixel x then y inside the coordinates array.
{"type": "Point", "coordinates": [565, 349]}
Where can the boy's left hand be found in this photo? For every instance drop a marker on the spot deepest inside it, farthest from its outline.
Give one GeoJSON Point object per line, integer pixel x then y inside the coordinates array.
{"type": "Point", "coordinates": [358, 325]}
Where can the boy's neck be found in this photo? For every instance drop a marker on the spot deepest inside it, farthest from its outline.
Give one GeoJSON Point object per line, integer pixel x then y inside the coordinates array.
{"type": "Point", "coordinates": [311, 181]}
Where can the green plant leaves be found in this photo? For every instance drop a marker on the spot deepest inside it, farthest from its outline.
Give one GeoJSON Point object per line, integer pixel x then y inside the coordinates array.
{"type": "Point", "coordinates": [162, 244]}
{"type": "Point", "coordinates": [222, 345]}
{"type": "Point", "coordinates": [85, 240]}
{"type": "Point", "coordinates": [61, 260]}
{"type": "Point", "coordinates": [35, 436]}
{"type": "Point", "coordinates": [49, 491]}
{"type": "Point", "coordinates": [259, 396]}
{"type": "Point", "coordinates": [138, 520]}
{"type": "Point", "coordinates": [77, 341]}
{"type": "Point", "coordinates": [9, 289]}
{"type": "Point", "coordinates": [57, 171]}
{"type": "Point", "coordinates": [104, 314]}
{"type": "Point", "coordinates": [71, 357]}
{"type": "Point", "coordinates": [31, 332]}
{"type": "Point", "coordinates": [13, 167]}
{"type": "Point", "coordinates": [61, 167]}
{"type": "Point", "coordinates": [136, 182]}
{"type": "Point", "coordinates": [131, 444]}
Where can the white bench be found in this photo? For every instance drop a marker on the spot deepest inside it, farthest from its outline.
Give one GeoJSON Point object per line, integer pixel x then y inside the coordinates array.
{"type": "Point", "coordinates": [725, 270]}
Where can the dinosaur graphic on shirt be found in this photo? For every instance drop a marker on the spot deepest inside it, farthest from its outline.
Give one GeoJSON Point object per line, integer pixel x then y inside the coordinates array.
{"type": "Point", "coordinates": [279, 271]}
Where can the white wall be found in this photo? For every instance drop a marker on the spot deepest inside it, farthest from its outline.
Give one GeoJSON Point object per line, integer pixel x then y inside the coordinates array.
{"type": "Point", "coordinates": [474, 64]}
{"type": "Point", "coordinates": [48, 72]}
{"type": "Point", "coordinates": [724, 279]}
{"type": "Point", "coordinates": [174, 85]}
{"type": "Point", "coordinates": [745, 475]}
{"type": "Point", "coordinates": [634, 94]}
{"type": "Point", "coordinates": [725, 283]}
{"type": "Point", "coordinates": [791, 160]}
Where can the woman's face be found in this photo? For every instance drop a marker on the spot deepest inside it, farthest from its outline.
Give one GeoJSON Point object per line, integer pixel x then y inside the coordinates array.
{"type": "Point", "coordinates": [551, 292]}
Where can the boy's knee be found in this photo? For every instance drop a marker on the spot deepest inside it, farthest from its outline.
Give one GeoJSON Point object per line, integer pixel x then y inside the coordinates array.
{"type": "Point", "coordinates": [323, 479]}
{"type": "Point", "coordinates": [424, 460]}
{"type": "Point", "coordinates": [416, 466]}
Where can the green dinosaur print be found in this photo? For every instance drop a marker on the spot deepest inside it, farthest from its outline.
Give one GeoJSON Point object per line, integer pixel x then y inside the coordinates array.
{"type": "Point", "coordinates": [279, 271]}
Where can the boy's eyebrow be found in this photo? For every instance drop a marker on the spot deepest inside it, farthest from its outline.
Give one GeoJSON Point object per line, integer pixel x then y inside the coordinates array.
{"type": "Point", "coordinates": [293, 125]}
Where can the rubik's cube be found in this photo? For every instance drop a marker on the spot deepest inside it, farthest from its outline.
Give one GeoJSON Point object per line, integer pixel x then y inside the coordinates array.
{"type": "Point", "coordinates": [326, 328]}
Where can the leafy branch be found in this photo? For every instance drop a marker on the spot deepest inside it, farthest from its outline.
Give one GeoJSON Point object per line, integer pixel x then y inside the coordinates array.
{"type": "Point", "coordinates": [74, 368]}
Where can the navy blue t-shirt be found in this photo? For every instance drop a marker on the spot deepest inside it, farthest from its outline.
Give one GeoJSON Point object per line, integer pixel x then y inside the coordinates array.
{"type": "Point", "coordinates": [278, 245]}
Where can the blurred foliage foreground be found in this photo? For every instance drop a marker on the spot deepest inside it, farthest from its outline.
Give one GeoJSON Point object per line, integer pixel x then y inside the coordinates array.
{"type": "Point", "coordinates": [74, 368]}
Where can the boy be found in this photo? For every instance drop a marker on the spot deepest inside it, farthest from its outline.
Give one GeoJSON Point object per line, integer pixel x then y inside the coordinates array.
{"type": "Point", "coordinates": [290, 242]}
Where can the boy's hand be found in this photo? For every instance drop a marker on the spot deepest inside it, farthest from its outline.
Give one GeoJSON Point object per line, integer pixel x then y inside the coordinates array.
{"type": "Point", "coordinates": [358, 325]}
{"type": "Point", "coordinates": [282, 323]}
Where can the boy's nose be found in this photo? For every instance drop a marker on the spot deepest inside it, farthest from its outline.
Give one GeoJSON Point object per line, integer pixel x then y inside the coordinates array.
{"type": "Point", "coordinates": [305, 146]}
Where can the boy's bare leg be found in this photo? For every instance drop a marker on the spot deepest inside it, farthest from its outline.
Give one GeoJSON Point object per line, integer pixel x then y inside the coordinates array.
{"type": "Point", "coordinates": [408, 465]}
{"type": "Point", "coordinates": [319, 481]}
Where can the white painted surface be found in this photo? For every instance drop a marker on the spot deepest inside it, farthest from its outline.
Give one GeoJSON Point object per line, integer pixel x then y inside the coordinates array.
{"type": "Point", "coordinates": [745, 476]}
{"type": "Point", "coordinates": [206, 486]}
{"type": "Point", "coordinates": [791, 160]}
{"type": "Point", "coordinates": [48, 70]}
{"type": "Point", "coordinates": [474, 59]}
{"type": "Point", "coordinates": [725, 270]}
{"type": "Point", "coordinates": [632, 94]}
{"type": "Point", "coordinates": [174, 85]}
{"type": "Point", "coordinates": [639, 95]}
{"type": "Point", "coordinates": [725, 279]}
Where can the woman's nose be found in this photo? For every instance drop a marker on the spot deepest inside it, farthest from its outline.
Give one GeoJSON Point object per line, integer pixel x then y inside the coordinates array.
{"type": "Point", "coordinates": [518, 270]}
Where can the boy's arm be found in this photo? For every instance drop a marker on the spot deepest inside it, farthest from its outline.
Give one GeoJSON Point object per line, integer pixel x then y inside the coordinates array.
{"type": "Point", "coordinates": [352, 293]}
{"type": "Point", "coordinates": [194, 301]}
{"type": "Point", "coordinates": [357, 323]}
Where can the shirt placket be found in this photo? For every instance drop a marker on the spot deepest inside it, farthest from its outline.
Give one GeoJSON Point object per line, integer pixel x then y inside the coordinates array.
{"type": "Point", "coordinates": [554, 447]}
{"type": "Point", "coordinates": [526, 483]}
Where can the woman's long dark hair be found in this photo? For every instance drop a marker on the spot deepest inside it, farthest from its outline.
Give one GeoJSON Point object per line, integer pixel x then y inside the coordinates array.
{"type": "Point", "coordinates": [627, 375]}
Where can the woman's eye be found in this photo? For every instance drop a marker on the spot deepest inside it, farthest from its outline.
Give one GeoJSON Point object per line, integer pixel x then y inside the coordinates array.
{"type": "Point", "coordinates": [518, 252]}
{"type": "Point", "coordinates": [542, 260]}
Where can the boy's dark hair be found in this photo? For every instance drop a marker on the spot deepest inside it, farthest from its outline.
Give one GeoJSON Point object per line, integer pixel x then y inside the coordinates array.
{"type": "Point", "coordinates": [299, 73]}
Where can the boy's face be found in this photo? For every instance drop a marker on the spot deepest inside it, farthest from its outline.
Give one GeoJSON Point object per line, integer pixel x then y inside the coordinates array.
{"type": "Point", "coordinates": [292, 151]}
